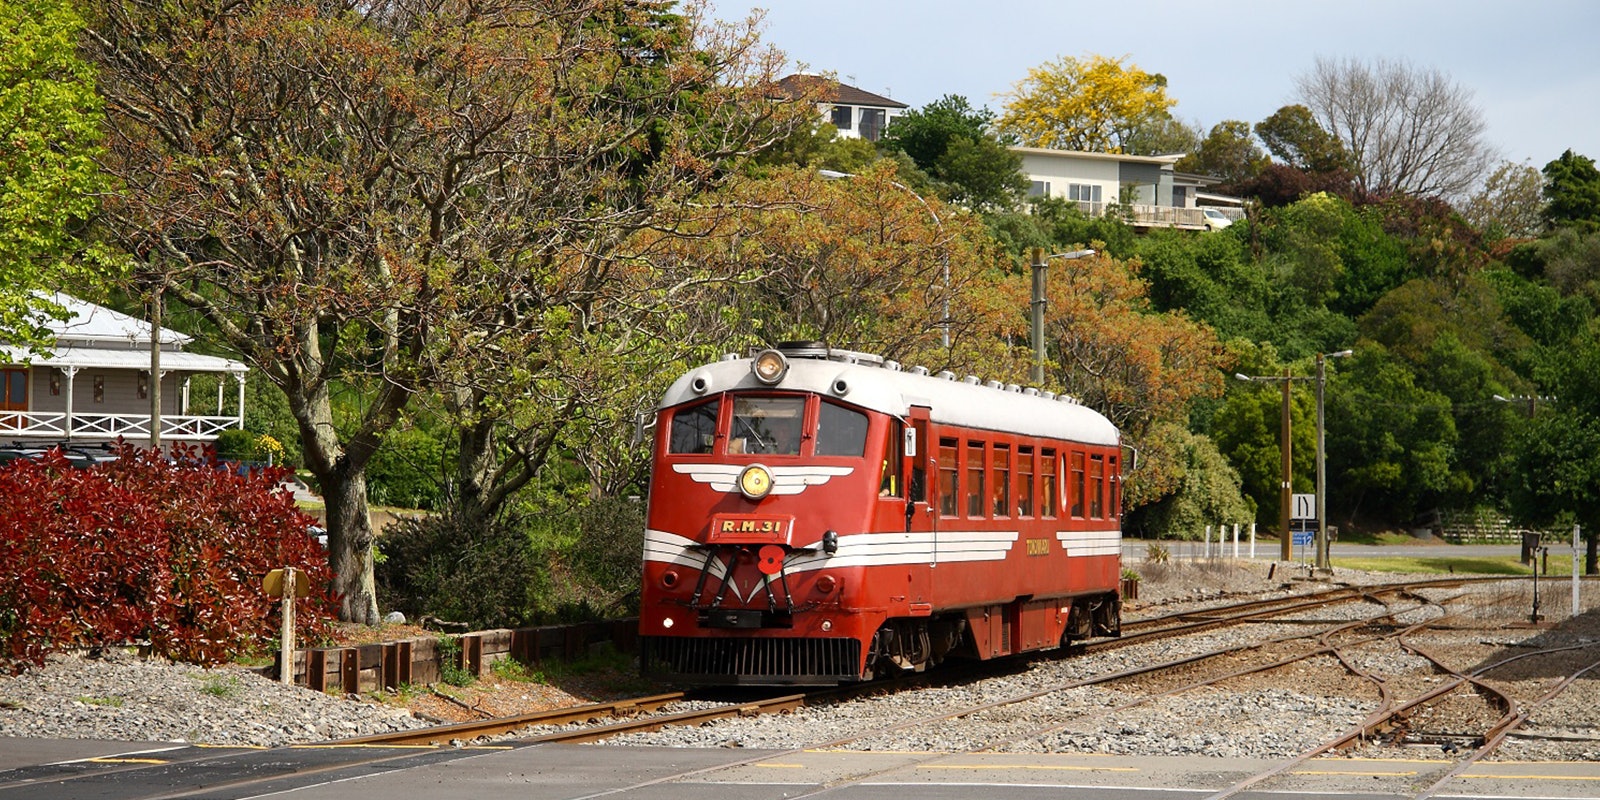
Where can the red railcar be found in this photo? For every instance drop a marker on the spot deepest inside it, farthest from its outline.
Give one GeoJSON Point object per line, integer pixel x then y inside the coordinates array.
{"type": "Point", "coordinates": [818, 517]}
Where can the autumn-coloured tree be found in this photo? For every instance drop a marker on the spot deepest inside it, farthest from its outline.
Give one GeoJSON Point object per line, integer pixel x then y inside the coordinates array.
{"type": "Point", "coordinates": [1138, 367]}
{"type": "Point", "coordinates": [408, 197]}
{"type": "Point", "coordinates": [1094, 103]}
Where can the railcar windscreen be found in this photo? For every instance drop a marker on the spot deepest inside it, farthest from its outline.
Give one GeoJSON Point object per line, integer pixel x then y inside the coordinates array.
{"type": "Point", "coordinates": [767, 425]}
{"type": "Point", "coordinates": [694, 428]}
{"type": "Point", "coordinates": [841, 431]}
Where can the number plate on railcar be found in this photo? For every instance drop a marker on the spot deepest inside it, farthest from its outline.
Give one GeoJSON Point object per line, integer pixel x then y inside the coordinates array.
{"type": "Point", "coordinates": [746, 529]}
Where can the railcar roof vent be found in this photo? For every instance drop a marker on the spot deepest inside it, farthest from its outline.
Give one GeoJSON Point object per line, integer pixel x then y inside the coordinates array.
{"type": "Point", "coordinates": [994, 385]}
{"type": "Point", "coordinates": [972, 380]}
{"type": "Point", "coordinates": [1048, 395]}
{"type": "Point", "coordinates": [919, 370]}
{"type": "Point", "coordinates": [730, 356]}
{"type": "Point", "coordinates": [1031, 392]}
{"type": "Point", "coordinates": [892, 366]}
{"type": "Point", "coordinates": [948, 375]}
{"type": "Point", "coordinates": [1013, 388]}
{"type": "Point", "coordinates": [803, 349]}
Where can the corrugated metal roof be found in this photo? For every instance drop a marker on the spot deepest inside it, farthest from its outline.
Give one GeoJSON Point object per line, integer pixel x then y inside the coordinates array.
{"type": "Point", "coordinates": [92, 323]}
{"type": "Point", "coordinates": [835, 92]}
{"type": "Point", "coordinates": [102, 358]}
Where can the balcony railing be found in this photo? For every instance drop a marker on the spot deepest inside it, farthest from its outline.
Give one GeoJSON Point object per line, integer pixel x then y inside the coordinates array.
{"type": "Point", "coordinates": [1143, 216]}
{"type": "Point", "coordinates": [56, 425]}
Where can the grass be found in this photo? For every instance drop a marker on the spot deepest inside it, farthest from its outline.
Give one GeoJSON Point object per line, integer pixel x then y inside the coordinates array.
{"type": "Point", "coordinates": [108, 702]}
{"type": "Point", "coordinates": [1462, 565]}
{"type": "Point", "coordinates": [225, 687]}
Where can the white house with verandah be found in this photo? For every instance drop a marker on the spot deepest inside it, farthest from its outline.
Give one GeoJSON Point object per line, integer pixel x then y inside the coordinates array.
{"type": "Point", "coordinates": [93, 386]}
{"type": "Point", "coordinates": [1146, 190]}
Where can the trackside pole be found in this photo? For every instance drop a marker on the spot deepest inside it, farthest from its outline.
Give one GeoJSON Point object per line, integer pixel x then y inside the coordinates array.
{"type": "Point", "coordinates": [286, 648]}
{"type": "Point", "coordinates": [1208, 541]}
{"type": "Point", "coordinates": [1575, 570]}
{"type": "Point", "coordinates": [1252, 541]}
{"type": "Point", "coordinates": [1235, 540]}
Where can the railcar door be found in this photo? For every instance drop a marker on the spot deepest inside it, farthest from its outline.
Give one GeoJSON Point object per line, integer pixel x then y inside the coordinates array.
{"type": "Point", "coordinates": [920, 520]}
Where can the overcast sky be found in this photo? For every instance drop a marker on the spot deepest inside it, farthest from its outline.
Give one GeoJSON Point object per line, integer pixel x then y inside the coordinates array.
{"type": "Point", "coordinates": [1533, 65]}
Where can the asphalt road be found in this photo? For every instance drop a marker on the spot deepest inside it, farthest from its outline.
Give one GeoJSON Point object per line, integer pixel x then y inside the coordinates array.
{"type": "Point", "coordinates": [576, 772]}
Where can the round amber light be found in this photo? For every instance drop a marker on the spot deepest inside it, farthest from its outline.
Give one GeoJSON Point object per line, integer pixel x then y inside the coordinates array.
{"type": "Point", "coordinates": [755, 482]}
{"type": "Point", "coordinates": [769, 367]}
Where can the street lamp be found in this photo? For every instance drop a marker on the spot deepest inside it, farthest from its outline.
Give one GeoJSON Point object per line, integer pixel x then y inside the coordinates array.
{"type": "Point", "coordinates": [1040, 261]}
{"type": "Point", "coordinates": [1323, 561]}
{"type": "Point", "coordinates": [944, 246]}
{"type": "Point", "coordinates": [1286, 490]}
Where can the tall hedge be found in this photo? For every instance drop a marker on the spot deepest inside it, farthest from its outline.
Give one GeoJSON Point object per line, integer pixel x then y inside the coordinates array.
{"type": "Point", "coordinates": [149, 550]}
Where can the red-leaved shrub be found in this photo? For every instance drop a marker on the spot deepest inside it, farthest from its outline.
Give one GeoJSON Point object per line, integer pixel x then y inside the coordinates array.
{"type": "Point", "coordinates": [142, 548]}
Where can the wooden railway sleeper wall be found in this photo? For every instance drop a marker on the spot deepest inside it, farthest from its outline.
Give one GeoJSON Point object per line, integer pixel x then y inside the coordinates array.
{"type": "Point", "coordinates": [390, 665]}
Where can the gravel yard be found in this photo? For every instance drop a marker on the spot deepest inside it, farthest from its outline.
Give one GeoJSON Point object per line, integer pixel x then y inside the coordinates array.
{"type": "Point", "coordinates": [1273, 714]}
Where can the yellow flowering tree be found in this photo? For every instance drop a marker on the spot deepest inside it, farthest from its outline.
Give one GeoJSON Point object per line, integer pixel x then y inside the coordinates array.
{"type": "Point", "coordinates": [1094, 103]}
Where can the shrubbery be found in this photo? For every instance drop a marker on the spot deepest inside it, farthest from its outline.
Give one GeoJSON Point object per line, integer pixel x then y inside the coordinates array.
{"type": "Point", "coordinates": [568, 566]}
{"type": "Point", "coordinates": [147, 549]}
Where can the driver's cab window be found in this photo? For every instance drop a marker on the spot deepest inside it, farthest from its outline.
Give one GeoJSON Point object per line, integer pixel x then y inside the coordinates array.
{"type": "Point", "coordinates": [766, 426]}
{"type": "Point", "coordinates": [694, 428]}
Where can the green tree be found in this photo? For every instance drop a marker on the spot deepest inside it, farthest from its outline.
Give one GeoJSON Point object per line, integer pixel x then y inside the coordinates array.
{"type": "Point", "coordinates": [1228, 152]}
{"type": "Point", "coordinates": [1572, 192]}
{"type": "Point", "coordinates": [953, 143]}
{"type": "Point", "coordinates": [50, 136]}
{"type": "Point", "coordinates": [1293, 136]}
{"type": "Point", "coordinates": [1509, 204]}
{"type": "Point", "coordinates": [1094, 103]}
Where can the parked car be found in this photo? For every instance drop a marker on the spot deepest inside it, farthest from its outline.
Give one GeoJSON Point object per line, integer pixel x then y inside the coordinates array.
{"type": "Point", "coordinates": [1215, 220]}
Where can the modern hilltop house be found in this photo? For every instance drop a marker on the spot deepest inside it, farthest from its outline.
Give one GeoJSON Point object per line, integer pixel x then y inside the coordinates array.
{"type": "Point", "coordinates": [94, 385]}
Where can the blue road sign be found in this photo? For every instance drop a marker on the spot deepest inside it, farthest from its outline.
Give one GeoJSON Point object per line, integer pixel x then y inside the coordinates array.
{"type": "Point", "coordinates": [1303, 538]}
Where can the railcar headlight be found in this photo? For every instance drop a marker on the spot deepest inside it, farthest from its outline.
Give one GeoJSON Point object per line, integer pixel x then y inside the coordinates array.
{"type": "Point", "coordinates": [755, 482]}
{"type": "Point", "coordinates": [769, 367]}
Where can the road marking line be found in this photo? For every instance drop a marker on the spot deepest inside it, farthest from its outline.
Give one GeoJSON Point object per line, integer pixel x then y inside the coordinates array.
{"type": "Point", "coordinates": [113, 760]}
{"type": "Point", "coordinates": [1064, 767]}
{"type": "Point", "coordinates": [1349, 772]}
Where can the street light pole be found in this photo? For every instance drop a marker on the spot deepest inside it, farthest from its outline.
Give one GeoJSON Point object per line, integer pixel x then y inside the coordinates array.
{"type": "Point", "coordinates": [944, 246]}
{"type": "Point", "coordinates": [1040, 264]}
{"type": "Point", "coordinates": [1286, 495]}
{"type": "Point", "coordinates": [1323, 559]}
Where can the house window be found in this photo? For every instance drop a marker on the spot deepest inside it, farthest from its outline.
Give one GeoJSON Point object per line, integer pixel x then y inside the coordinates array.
{"type": "Point", "coordinates": [144, 385]}
{"type": "Point", "coordinates": [872, 122]}
{"type": "Point", "coordinates": [1083, 192]}
{"type": "Point", "coordinates": [843, 117]}
{"type": "Point", "coordinates": [1039, 189]}
{"type": "Point", "coordinates": [55, 382]}
{"type": "Point", "coordinates": [15, 397]}
{"type": "Point", "coordinates": [99, 388]}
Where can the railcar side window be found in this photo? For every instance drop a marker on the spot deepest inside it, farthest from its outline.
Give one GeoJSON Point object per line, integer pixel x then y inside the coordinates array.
{"type": "Point", "coordinates": [1047, 482]}
{"type": "Point", "coordinates": [1115, 478]}
{"type": "Point", "coordinates": [1025, 481]}
{"type": "Point", "coordinates": [694, 428]}
{"type": "Point", "coordinates": [889, 483]}
{"type": "Point", "coordinates": [766, 425]}
{"type": "Point", "coordinates": [841, 431]}
{"type": "Point", "coordinates": [1002, 480]}
{"type": "Point", "coordinates": [947, 477]}
{"type": "Point", "coordinates": [975, 467]}
{"type": "Point", "coordinates": [1097, 485]}
{"type": "Point", "coordinates": [1075, 486]}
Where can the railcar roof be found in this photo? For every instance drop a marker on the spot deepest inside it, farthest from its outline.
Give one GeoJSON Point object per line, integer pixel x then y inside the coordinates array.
{"type": "Point", "coordinates": [894, 391]}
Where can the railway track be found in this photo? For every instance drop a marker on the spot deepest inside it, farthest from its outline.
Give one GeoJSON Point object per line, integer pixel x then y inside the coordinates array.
{"type": "Point", "coordinates": [606, 720]}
